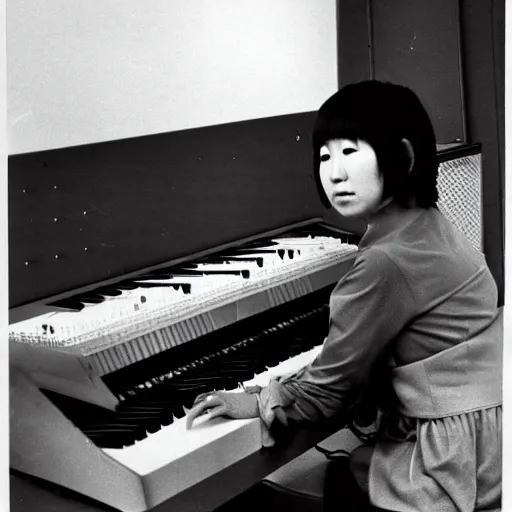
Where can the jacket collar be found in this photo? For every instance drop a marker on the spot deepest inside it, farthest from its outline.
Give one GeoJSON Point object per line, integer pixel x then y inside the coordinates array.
{"type": "Point", "coordinates": [388, 222]}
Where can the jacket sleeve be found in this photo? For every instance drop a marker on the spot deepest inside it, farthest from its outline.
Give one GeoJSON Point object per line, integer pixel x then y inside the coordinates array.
{"type": "Point", "coordinates": [370, 305]}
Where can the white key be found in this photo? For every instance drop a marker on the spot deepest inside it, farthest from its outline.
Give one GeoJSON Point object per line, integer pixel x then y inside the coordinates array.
{"type": "Point", "coordinates": [174, 442]}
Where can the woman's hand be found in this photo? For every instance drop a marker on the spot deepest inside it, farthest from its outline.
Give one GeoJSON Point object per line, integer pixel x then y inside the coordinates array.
{"type": "Point", "coordinates": [232, 405]}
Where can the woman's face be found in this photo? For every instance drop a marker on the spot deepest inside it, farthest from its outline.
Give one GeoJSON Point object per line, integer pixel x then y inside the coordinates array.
{"type": "Point", "coordinates": [350, 177]}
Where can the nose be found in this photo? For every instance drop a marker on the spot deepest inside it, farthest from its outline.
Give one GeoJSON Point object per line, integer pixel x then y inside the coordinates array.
{"type": "Point", "coordinates": [338, 171]}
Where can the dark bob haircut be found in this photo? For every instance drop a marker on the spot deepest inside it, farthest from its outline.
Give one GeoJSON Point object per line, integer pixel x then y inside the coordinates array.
{"type": "Point", "coordinates": [382, 114]}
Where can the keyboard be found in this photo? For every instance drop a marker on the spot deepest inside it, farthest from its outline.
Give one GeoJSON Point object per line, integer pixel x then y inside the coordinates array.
{"type": "Point", "coordinates": [141, 455]}
{"type": "Point", "coordinates": [112, 327]}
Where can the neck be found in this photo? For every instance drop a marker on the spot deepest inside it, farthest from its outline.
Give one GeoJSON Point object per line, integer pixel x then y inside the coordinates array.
{"type": "Point", "coordinates": [377, 213]}
{"type": "Point", "coordinates": [389, 217]}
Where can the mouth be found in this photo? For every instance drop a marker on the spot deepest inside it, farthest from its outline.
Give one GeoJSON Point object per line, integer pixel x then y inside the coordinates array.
{"type": "Point", "coordinates": [342, 198]}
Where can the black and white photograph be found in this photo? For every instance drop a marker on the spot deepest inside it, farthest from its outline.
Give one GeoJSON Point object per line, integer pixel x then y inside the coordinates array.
{"type": "Point", "coordinates": [255, 256]}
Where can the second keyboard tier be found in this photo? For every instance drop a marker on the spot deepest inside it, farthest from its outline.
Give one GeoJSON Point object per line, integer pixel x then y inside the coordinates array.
{"type": "Point", "coordinates": [155, 402]}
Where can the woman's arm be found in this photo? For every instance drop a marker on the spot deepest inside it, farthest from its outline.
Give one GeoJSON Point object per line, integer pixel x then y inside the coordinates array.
{"type": "Point", "coordinates": [368, 308]}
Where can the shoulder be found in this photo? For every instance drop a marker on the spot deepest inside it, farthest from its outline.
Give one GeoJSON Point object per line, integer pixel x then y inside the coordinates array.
{"type": "Point", "coordinates": [373, 267]}
{"type": "Point", "coordinates": [376, 260]}
{"type": "Point", "coordinates": [375, 283]}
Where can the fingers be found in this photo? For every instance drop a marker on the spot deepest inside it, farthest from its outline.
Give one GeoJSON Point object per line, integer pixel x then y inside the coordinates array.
{"type": "Point", "coordinates": [209, 403]}
{"type": "Point", "coordinates": [201, 397]}
{"type": "Point", "coordinates": [214, 412]}
{"type": "Point", "coordinates": [195, 412]}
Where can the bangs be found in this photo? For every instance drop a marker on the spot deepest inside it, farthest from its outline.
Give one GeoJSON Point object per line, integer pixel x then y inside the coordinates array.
{"type": "Point", "coordinates": [329, 128]}
{"type": "Point", "coordinates": [343, 121]}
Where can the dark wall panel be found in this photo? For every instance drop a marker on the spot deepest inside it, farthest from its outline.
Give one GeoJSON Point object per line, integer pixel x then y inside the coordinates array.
{"type": "Point", "coordinates": [354, 44]}
{"type": "Point", "coordinates": [84, 214]}
{"type": "Point", "coordinates": [483, 41]}
{"type": "Point", "coordinates": [410, 42]}
{"type": "Point", "coordinates": [416, 43]}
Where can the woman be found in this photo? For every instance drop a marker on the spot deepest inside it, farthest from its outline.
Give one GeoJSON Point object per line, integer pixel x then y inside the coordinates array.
{"type": "Point", "coordinates": [419, 302]}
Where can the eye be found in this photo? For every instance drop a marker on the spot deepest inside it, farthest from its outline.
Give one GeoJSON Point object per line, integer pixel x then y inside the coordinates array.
{"type": "Point", "coordinates": [348, 151]}
{"type": "Point", "coordinates": [325, 157]}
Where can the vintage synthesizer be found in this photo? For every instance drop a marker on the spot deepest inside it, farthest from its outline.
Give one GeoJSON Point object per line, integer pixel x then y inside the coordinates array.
{"type": "Point", "coordinates": [101, 380]}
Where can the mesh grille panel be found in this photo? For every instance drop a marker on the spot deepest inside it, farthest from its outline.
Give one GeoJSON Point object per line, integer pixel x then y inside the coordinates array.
{"type": "Point", "coordinates": [460, 196]}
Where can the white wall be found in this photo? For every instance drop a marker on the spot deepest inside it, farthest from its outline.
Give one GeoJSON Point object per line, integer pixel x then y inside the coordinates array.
{"type": "Point", "coordinates": [94, 70]}
{"type": "Point", "coordinates": [4, 274]}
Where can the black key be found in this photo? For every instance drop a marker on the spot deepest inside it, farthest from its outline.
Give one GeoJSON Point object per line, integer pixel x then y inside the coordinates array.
{"type": "Point", "coordinates": [69, 304]}
{"type": "Point", "coordinates": [203, 374]}
{"type": "Point", "coordinates": [233, 258]}
{"type": "Point", "coordinates": [184, 272]}
{"type": "Point", "coordinates": [166, 420]}
{"type": "Point", "coordinates": [94, 297]}
{"type": "Point", "coordinates": [186, 287]}
{"type": "Point", "coordinates": [253, 251]}
{"type": "Point", "coordinates": [202, 272]}
{"type": "Point", "coordinates": [240, 373]}
{"type": "Point", "coordinates": [153, 275]}
{"type": "Point", "coordinates": [136, 416]}
{"type": "Point", "coordinates": [142, 407]}
{"type": "Point", "coordinates": [258, 261]}
{"type": "Point", "coordinates": [183, 387]}
{"type": "Point", "coordinates": [225, 380]}
{"type": "Point", "coordinates": [109, 292]}
{"type": "Point", "coordinates": [259, 244]}
{"type": "Point", "coordinates": [91, 298]}
{"type": "Point", "coordinates": [144, 421]}
{"type": "Point", "coordinates": [123, 427]}
{"type": "Point", "coordinates": [186, 265]}
{"type": "Point", "coordinates": [127, 432]}
{"type": "Point", "coordinates": [179, 412]}
{"type": "Point", "coordinates": [126, 285]}
{"type": "Point", "coordinates": [169, 407]}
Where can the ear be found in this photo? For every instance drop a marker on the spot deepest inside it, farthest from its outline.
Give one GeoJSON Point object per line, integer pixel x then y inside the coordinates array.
{"type": "Point", "coordinates": [410, 153]}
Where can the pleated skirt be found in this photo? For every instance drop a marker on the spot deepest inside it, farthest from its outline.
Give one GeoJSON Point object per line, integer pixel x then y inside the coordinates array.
{"type": "Point", "coordinates": [452, 464]}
